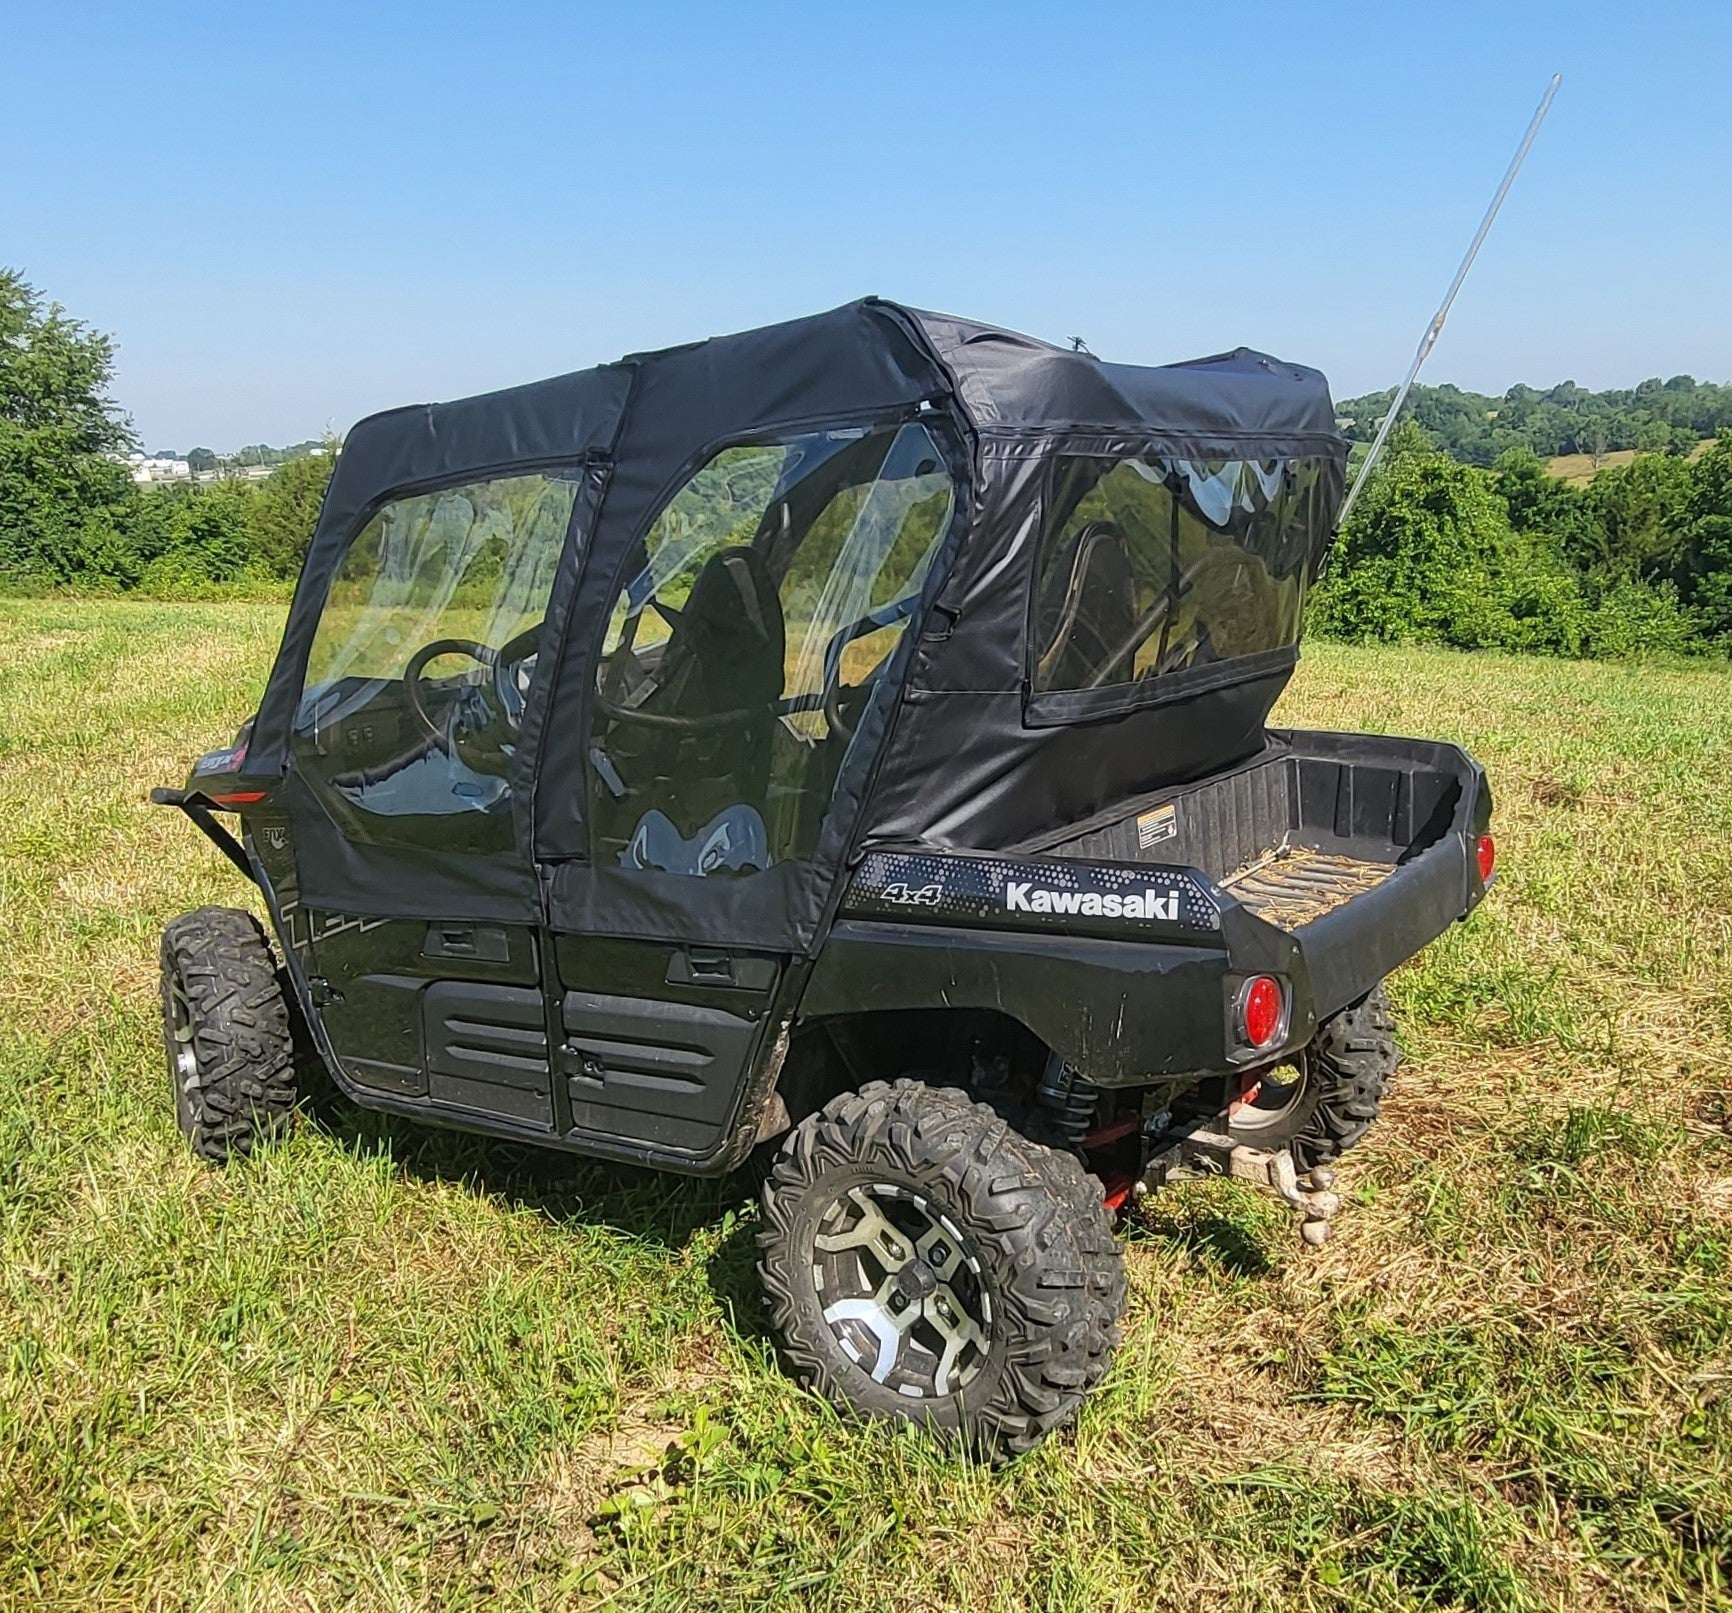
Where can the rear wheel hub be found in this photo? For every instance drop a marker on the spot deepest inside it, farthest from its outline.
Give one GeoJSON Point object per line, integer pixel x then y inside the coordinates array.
{"type": "Point", "coordinates": [902, 1290]}
{"type": "Point", "coordinates": [182, 1054]}
{"type": "Point", "coordinates": [1267, 1099]}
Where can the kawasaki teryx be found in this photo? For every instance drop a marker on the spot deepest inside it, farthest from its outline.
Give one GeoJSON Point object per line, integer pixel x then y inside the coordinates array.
{"type": "Point", "coordinates": [851, 732]}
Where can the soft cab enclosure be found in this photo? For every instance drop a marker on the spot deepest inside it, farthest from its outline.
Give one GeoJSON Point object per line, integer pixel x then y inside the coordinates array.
{"type": "Point", "coordinates": [871, 662]}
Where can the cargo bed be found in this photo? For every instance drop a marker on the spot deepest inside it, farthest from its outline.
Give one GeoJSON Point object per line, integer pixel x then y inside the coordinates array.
{"type": "Point", "coordinates": [1293, 885]}
{"type": "Point", "coordinates": [1312, 821]}
{"type": "Point", "coordinates": [1326, 860]}
{"type": "Point", "coordinates": [1357, 845]}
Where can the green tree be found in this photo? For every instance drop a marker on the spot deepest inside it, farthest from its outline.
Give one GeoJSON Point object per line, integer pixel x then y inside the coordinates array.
{"type": "Point", "coordinates": [1537, 501]}
{"type": "Point", "coordinates": [64, 502]}
{"type": "Point", "coordinates": [1431, 555]}
{"type": "Point", "coordinates": [1414, 561]}
{"type": "Point", "coordinates": [205, 537]}
{"type": "Point", "coordinates": [285, 509]}
{"type": "Point", "coordinates": [1704, 563]}
{"type": "Point", "coordinates": [1634, 518]}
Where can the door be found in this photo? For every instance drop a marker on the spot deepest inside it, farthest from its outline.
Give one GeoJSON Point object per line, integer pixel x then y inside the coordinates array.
{"type": "Point", "coordinates": [407, 754]}
{"type": "Point", "coordinates": [752, 626]}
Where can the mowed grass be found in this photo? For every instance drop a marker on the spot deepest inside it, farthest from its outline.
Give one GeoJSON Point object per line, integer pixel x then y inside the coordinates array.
{"type": "Point", "coordinates": [384, 1367]}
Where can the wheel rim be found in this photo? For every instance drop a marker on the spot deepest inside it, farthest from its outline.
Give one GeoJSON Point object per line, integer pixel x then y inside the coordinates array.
{"type": "Point", "coordinates": [182, 1055]}
{"type": "Point", "coordinates": [902, 1290]}
{"type": "Point", "coordinates": [1265, 1099]}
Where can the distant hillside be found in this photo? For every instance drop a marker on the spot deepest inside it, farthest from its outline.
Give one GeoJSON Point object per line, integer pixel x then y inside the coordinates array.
{"type": "Point", "coordinates": [1568, 419]}
{"type": "Point", "coordinates": [1580, 469]}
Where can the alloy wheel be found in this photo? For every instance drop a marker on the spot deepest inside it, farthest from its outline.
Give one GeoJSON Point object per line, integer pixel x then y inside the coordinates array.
{"type": "Point", "coordinates": [902, 1290]}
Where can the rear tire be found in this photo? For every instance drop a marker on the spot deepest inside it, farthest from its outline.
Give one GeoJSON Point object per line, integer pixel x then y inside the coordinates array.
{"type": "Point", "coordinates": [1345, 1074]}
{"type": "Point", "coordinates": [226, 1033]}
{"type": "Point", "coordinates": [924, 1261]}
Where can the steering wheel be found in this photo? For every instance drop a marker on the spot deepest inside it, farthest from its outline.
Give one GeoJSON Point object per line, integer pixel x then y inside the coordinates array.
{"type": "Point", "coordinates": [504, 708]}
{"type": "Point", "coordinates": [710, 720]}
{"type": "Point", "coordinates": [414, 691]}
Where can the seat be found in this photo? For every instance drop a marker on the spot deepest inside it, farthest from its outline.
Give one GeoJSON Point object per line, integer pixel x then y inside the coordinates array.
{"type": "Point", "coordinates": [1096, 616]}
{"type": "Point", "coordinates": [727, 650]}
{"type": "Point", "coordinates": [682, 762]}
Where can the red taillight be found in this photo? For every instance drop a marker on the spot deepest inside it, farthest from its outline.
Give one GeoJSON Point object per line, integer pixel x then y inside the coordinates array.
{"type": "Point", "coordinates": [230, 799]}
{"type": "Point", "coordinates": [1486, 851]}
{"type": "Point", "coordinates": [1262, 1008]}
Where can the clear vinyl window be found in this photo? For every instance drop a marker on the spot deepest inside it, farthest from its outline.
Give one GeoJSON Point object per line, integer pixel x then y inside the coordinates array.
{"type": "Point", "coordinates": [1152, 567]}
{"type": "Point", "coordinates": [763, 605]}
{"type": "Point", "coordinates": [421, 661]}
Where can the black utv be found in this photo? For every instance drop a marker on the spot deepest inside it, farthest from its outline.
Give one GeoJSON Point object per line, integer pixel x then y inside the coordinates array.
{"type": "Point", "coordinates": [852, 732]}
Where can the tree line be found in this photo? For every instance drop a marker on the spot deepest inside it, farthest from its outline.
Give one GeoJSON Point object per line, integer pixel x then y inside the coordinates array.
{"type": "Point", "coordinates": [70, 514]}
{"type": "Point", "coordinates": [1637, 562]}
{"type": "Point", "coordinates": [254, 453]}
{"type": "Point", "coordinates": [1440, 549]}
{"type": "Point", "coordinates": [1656, 417]}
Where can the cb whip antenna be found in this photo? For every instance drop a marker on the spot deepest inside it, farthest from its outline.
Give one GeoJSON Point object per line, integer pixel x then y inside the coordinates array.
{"type": "Point", "coordinates": [1435, 328]}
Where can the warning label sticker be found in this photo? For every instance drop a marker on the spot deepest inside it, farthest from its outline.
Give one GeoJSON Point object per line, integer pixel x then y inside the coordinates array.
{"type": "Point", "coordinates": [1154, 827]}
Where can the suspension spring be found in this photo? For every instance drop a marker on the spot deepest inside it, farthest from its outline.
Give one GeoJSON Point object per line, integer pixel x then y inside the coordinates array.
{"type": "Point", "coordinates": [1068, 1099]}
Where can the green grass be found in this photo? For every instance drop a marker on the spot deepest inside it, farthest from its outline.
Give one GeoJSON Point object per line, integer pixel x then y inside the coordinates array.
{"type": "Point", "coordinates": [387, 1368]}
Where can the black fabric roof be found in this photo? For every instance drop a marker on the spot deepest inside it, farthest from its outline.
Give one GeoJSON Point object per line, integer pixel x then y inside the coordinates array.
{"type": "Point", "coordinates": [1008, 381]}
{"type": "Point", "coordinates": [541, 422]}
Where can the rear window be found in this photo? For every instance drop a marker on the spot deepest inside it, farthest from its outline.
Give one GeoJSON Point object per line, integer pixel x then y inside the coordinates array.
{"type": "Point", "coordinates": [1150, 568]}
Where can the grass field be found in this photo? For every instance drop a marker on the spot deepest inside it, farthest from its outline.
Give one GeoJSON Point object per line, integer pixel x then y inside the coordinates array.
{"type": "Point", "coordinates": [1581, 469]}
{"type": "Point", "coordinates": [380, 1367]}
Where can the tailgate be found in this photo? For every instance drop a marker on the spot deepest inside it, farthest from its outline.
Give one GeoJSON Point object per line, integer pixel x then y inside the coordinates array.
{"type": "Point", "coordinates": [1361, 936]}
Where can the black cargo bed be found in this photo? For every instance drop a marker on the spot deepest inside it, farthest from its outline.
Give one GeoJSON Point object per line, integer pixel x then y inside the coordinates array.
{"type": "Point", "coordinates": [1314, 822]}
{"type": "Point", "coordinates": [1294, 885]}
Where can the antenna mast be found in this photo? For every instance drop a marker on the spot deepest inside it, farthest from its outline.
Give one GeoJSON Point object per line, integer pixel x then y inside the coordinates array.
{"type": "Point", "coordinates": [1435, 328]}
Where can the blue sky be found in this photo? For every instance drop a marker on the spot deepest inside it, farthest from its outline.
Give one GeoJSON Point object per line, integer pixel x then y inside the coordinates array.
{"type": "Point", "coordinates": [290, 216]}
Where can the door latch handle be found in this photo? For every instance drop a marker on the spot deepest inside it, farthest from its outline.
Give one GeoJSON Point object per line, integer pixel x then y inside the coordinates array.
{"type": "Point", "coordinates": [707, 965]}
{"type": "Point", "coordinates": [484, 943]}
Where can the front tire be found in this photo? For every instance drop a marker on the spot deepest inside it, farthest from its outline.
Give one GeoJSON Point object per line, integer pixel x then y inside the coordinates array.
{"type": "Point", "coordinates": [226, 1033]}
{"type": "Point", "coordinates": [924, 1261]}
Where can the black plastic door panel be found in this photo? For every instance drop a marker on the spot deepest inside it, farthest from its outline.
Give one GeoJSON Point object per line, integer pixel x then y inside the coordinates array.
{"type": "Point", "coordinates": [451, 1013]}
{"type": "Point", "coordinates": [656, 1039]}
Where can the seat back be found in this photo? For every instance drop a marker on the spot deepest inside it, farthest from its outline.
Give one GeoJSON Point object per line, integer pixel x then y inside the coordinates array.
{"type": "Point", "coordinates": [1098, 612]}
{"type": "Point", "coordinates": [728, 646]}
{"type": "Point", "coordinates": [688, 764]}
